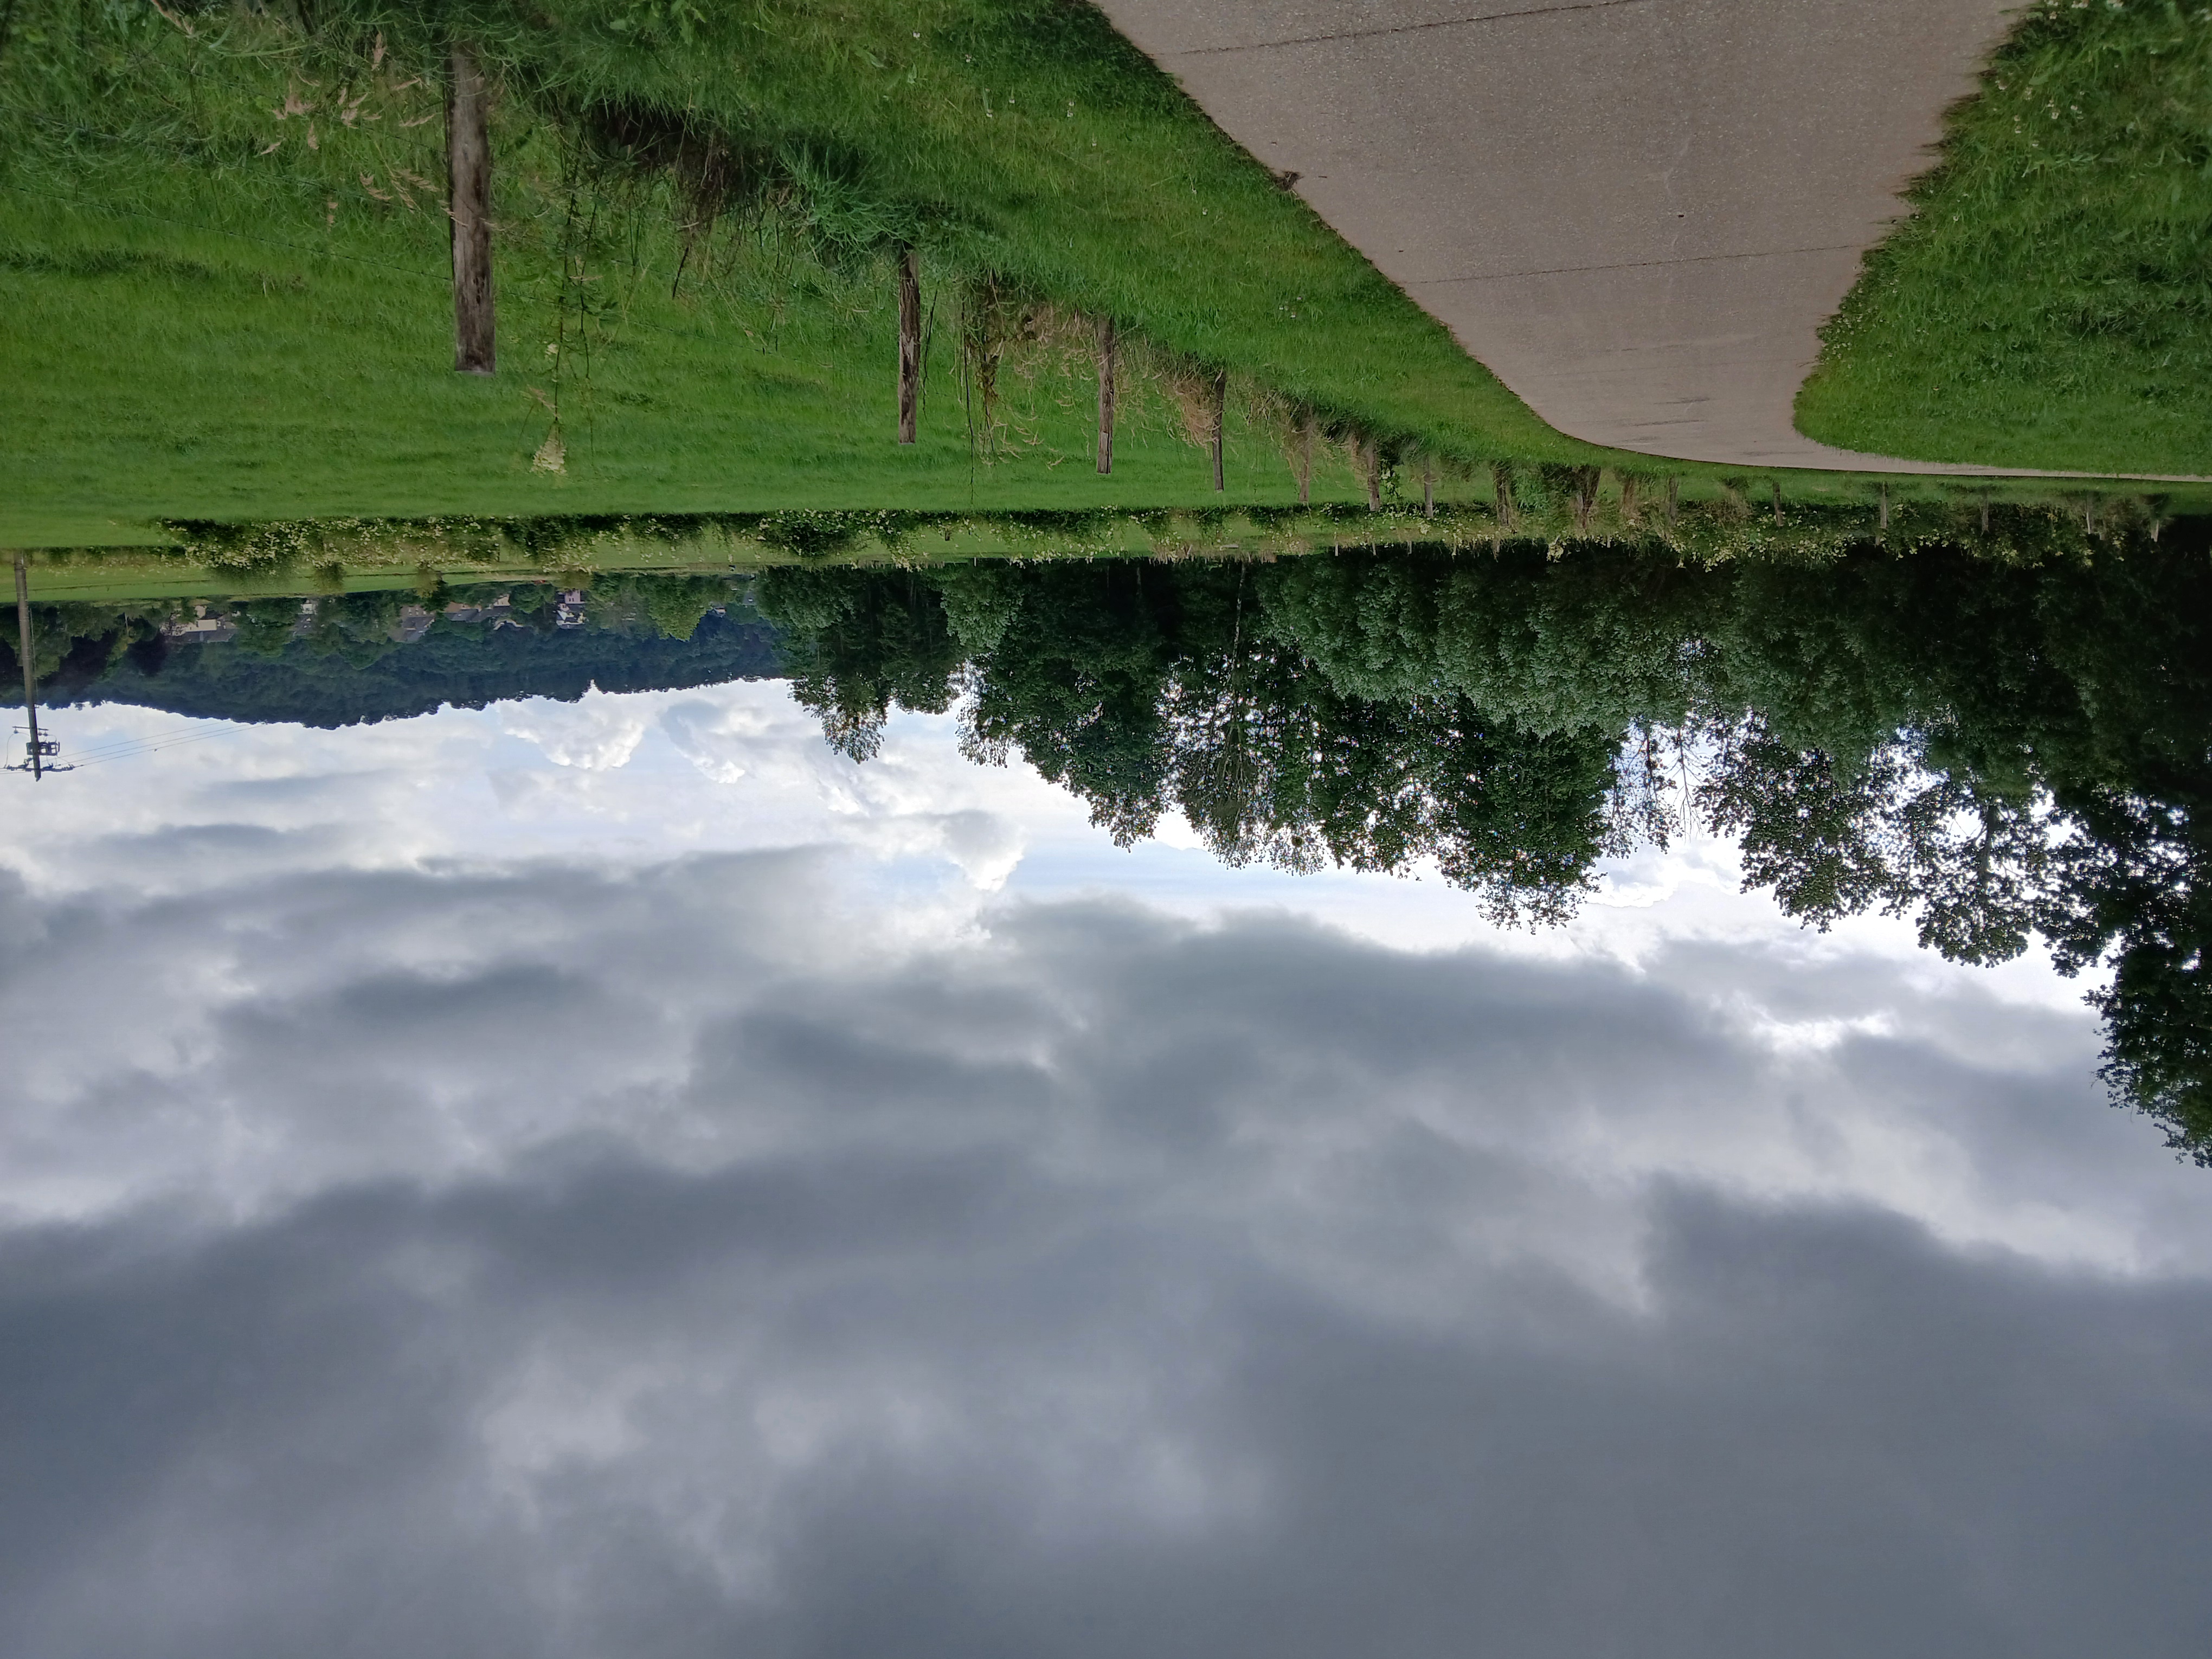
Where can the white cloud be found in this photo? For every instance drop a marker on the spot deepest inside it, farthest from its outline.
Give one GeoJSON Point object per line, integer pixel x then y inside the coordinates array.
{"type": "Point", "coordinates": [596, 733]}
{"type": "Point", "coordinates": [623, 1177]}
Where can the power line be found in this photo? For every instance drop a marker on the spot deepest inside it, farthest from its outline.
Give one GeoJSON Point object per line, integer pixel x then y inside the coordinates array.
{"type": "Point", "coordinates": [153, 746]}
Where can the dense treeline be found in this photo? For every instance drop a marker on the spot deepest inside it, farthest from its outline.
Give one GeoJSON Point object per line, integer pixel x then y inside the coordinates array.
{"type": "Point", "coordinates": [2002, 751]}
{"type": "Point", "coordinates": [361, 657]}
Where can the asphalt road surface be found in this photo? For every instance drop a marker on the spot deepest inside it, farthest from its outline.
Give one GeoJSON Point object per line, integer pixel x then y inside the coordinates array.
{"type": "Point", "coordinates": [1636, 212]}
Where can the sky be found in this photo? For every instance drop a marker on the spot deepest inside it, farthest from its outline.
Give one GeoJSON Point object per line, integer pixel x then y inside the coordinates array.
{"type": "Point", "coordinates": [570, 1179]}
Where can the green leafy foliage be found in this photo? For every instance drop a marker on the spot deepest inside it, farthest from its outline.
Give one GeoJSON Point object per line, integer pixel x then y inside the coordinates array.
{"type": "Point", "coordinates": [2002, 750]}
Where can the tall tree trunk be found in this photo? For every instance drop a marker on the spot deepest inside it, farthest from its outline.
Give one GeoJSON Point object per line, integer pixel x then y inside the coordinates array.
{"type": "Point", "coordinates": [1220, 427]}
{"type": "Point", "coordinates": [1370, 457]}
{"type": "Point", "coordinates": [1305, 464]}
{"type": "Point", "coordinates": [1501, 486]}
{"type": "Point", "coordinates": [1106, 394]}
{"type": "Point", "coordinates": [910, 384]}
{"type": "Point", "coordinates": [1428, 487]}
{"type": "Point", "coordinates": [468, 206]}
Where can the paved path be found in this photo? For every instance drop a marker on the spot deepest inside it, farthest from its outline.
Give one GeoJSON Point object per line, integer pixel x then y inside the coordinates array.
{"type": "Point", "coordinates": [1636, 212]}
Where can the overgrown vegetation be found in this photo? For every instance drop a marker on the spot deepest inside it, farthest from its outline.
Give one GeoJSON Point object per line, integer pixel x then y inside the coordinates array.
{"type": "Point", "coordinates": [1703, 521]}
{"type": "Point", "coordinates": [2049, 303]}
{"type": "Point", "coordinates": [224, 289]}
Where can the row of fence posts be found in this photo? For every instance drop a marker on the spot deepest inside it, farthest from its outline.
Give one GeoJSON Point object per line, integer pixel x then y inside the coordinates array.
{"type": "Point", "coordinates": [468, 172]}
{"type": "Point", "coordinates": [909, 398]}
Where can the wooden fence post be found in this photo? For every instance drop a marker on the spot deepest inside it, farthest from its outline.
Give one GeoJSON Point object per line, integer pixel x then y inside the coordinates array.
{"type": "Point", "coordinates": [1220, 427]}
{"type": "Point", "coordinates": [1106, 394]}
{"type": "Point", "coordinates": [468, 206]}
{"type": "Point", "coordinates": [909, 370]}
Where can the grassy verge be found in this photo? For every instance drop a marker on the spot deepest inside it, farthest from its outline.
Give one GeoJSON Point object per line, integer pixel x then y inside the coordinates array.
{"type": "Point", "coordinates": [2050, 302]}
{"type": "Point", "coordinates": [1692, 521]}
{"type": "Point", "coordinates": [223, 289]}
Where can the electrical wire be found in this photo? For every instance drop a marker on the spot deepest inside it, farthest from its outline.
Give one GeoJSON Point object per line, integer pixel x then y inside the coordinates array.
{"type": "Point", "coordinates": [138, 747]}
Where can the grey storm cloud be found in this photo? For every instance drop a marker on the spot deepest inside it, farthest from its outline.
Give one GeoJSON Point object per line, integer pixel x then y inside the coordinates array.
{"type": "Point", "coordinates": [537, 1261]}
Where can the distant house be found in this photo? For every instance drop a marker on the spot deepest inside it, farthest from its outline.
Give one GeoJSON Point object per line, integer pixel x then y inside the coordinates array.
{"type": "Point", "coordinates": [500, 613]}
{"type": "Point", "coordinates": [200, 629]}
{"type": "Point", "coordinates": [570, 613]}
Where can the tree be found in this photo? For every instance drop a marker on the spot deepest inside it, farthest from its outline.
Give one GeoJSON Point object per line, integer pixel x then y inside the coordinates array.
{"type": "Point", "coordinates": [1998, 749]}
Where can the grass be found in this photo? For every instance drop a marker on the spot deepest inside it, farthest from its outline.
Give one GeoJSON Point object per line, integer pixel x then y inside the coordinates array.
{"type": "Point", "coordinates": [223, 289]}
{"type": "Point", "coordinates": [1559, 509]}
{"type": "Point", "coordinates": [2049, 303]}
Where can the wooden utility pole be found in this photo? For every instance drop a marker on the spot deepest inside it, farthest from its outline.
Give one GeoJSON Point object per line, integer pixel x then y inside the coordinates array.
{"type": "Point", "coordinates": [909, 380]}
{"type": "Point", "coordinates": [1428, 487]}
{"type": "Point", "coordinates": [1305, 464]}
{"type": "Point", "coordinates": [1501, 486]}
{"type": "Point", "coordinates": [1220, 427]}
{"type": "Point", "coordinates": [1370, 457]}
{"type": "Point", "coordinates": [468, 207]}
{"type": "Point", "coordinates": [1106, 394]}
{"type": "Point", "coordinates": [35, 760]}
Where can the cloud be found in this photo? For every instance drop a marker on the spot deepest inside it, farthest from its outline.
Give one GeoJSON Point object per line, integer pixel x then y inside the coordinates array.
{"type": "Point", "coordinates": [596, 733]}
{"type": "Point", "coordinates": [694, 1254]}
{"type": "Point", "coordinates": [620, 781]}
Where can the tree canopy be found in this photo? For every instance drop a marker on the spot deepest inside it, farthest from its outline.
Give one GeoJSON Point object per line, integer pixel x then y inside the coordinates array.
{"type": "Point", "coordinates": [2002, 750]}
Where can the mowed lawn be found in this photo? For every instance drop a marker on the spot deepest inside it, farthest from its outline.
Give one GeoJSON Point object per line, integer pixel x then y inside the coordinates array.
{"type": "Point", "coordinates": [2050, 302]}
{"type": "Point", "coordinates": [223, 281]}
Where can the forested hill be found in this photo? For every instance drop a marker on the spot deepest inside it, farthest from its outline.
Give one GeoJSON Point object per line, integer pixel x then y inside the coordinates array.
{"type": "Point", "coordinates": [469, 668]}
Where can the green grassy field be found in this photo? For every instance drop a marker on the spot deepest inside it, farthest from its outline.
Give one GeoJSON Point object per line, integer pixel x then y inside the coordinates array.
{"type": "Point", "coordinates": [224, 289]}
{"type": "Point", "coordinates": [2050, 302]}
